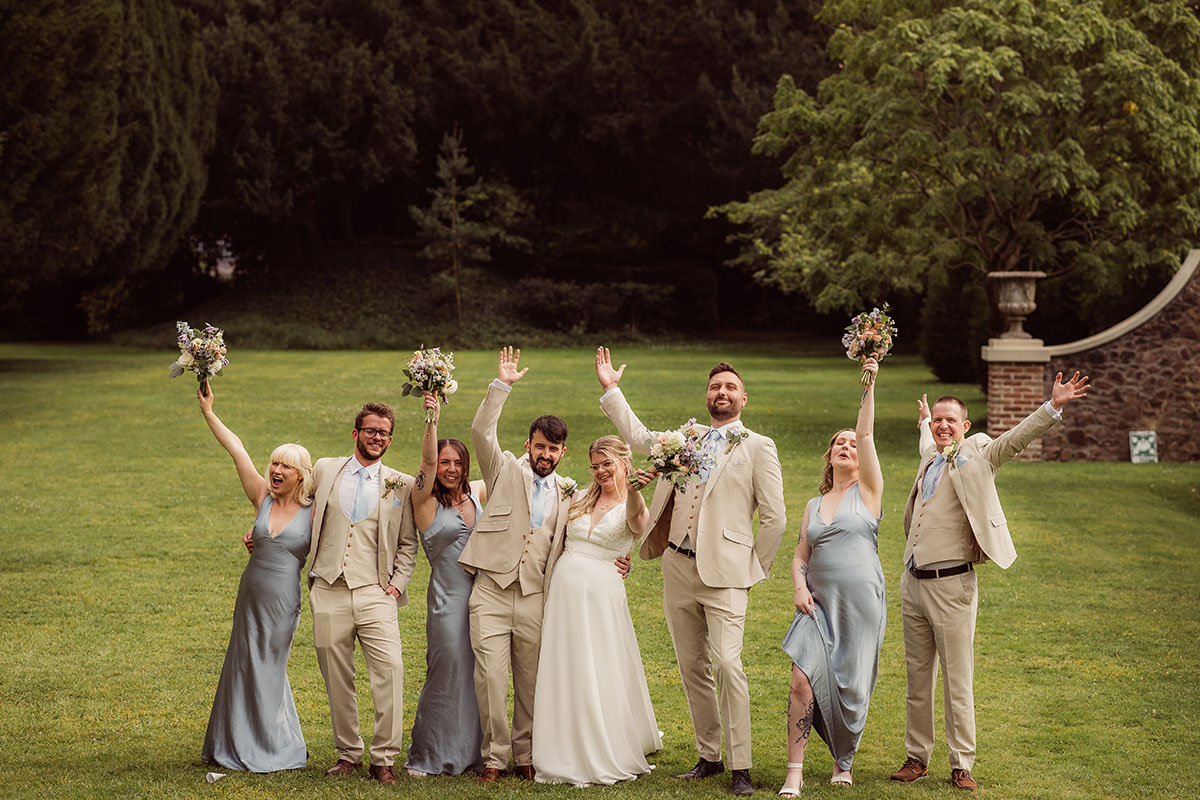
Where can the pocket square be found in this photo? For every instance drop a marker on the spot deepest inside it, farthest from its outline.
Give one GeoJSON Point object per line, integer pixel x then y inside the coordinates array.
{"type": "Point", "coordinates": [396, 502]}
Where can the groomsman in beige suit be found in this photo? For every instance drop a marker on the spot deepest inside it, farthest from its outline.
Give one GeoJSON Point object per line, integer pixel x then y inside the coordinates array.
{"type": "Point", "coordinates": [711, 558]}
{"type": "Point", "coordinates": [512, 553]}
{"type": "Point", "coordinates": [363, 551]}
{"type": "Point", "coordinates": [953, 521]}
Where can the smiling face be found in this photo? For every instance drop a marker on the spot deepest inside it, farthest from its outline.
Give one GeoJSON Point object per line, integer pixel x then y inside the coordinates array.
{"type": "Point", "coordinates": [949, 423]}
{"type": "Point", "coordinates": [726, 397]}
{"type": "Point", "coordinates": [372, 437]}
{"type": "Point", "coordinates": [544, 454]}
{"type": "Point", "coordinates": [450, 468]}
{"type": "Point", "coordinates": [607, 471]}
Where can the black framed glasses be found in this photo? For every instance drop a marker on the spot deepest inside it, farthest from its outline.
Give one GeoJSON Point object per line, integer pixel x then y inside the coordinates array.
{"type": "Point", "coordinates": [374, 433]}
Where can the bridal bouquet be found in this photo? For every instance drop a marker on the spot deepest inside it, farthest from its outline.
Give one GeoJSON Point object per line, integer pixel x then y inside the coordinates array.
{"type": "Point", "coordinates": [430, 370]}
{"type": "Point", "coordinates": [201, 352]}
{"type": "Point", "coordinates": [870, 334]}
{"type": "Point", "coordinates": [679, 456]}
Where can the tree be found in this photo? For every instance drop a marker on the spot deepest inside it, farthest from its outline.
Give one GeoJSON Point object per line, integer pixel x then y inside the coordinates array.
{"type": "Point", "coordinates": [316, 109]}
{"type": "Point", "coordinates": [466, 217]}
{"type": "Point", "coordinates": [105, 119]}
{"type": "Point", "coordinates": [986, 135]}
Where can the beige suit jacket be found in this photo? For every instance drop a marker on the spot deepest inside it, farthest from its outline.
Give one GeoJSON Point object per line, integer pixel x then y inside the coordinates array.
{"type": "Point", "coordinates": [974, 481]}
{"type": "Point", "coordinates": [397, 532]}
{"type": "Point", "coordinates": [745, 478]}
{"type": "Point", "coordinates": [499, 538]}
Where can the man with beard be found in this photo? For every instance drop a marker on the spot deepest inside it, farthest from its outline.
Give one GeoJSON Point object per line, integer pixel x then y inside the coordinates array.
{"type": "Point", "coordinates": [363, 551]}
{"type": "Point", "coordinates": [710, 560]}
{"type": "Point", "coordinates": [512, 552]}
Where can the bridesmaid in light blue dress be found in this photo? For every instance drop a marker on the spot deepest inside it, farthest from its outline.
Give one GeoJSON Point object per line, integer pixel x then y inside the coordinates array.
{"type": "Point", "coordinates": [446, 734]}
{"type": "Point", "coordinates": [836, 635]}
{"type": "Point", "coordinates": [253, 725]}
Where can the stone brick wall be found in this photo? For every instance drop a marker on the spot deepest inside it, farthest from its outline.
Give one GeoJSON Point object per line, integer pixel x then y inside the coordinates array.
{"type": "Point", "coordinates": [1148, 379]}
{"type": "Point", "coordinates": [1014, 392]}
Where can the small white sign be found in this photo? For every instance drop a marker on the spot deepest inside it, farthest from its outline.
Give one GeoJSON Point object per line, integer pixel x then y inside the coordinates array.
{"type": "Point", "coordinates": [1143, 447]}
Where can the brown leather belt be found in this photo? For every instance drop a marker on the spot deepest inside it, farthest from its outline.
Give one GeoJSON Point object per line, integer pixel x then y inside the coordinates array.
{"type": "Point", "coordinates": [683, 551]}
{"type": "Point", "coordinates": [925, 574]}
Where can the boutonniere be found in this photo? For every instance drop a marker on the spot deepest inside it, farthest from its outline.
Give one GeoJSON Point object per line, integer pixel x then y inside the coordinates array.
{"type": "Point", "coordinates": [734, 437]}
{"type": "Point", "coordinates": [951, 450]}
{"type": "Point", "coordinates": [391, 484]}
{"type": "Point", "coordinates": [567, 487]}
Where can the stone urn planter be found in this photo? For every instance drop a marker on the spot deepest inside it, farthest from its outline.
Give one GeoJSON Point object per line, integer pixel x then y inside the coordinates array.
{"type": "Point", "coordinates": [1015, 299]}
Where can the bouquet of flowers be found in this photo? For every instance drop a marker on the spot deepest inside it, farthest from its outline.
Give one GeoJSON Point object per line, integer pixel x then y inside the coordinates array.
{"type": "Point", "coordinates": [870, 334]}
{"type": "Point", "coordinates": [430, 371]}
{"type": "Point", "coordinates": [201, 352]}
{"type": "Point", "coordinates": [679, 456]}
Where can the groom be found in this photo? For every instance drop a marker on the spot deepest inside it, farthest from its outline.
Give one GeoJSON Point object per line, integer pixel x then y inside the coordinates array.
{"type": "Point", "coordinates": [363, 551]}
{"type": "Point", "coordinates": [953, 521]}
{"type": "Point", "coordinates": [512, 552]}
{"type": "Point", "coordinates": [710, 560]}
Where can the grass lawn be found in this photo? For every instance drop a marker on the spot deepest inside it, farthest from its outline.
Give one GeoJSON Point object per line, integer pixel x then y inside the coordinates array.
{"type": "Point", "coordinates": [119, 563]}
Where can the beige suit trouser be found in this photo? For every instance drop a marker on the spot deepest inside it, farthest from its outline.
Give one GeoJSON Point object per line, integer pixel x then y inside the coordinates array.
{"type": "Point", "coordinates": [339, 615]}
{"type": "Point", "coordinates": [506, 636]}
{"type": "Point", "coordinates": [707, 626]}
{"type": "Point", "coordinates": [939, 625]}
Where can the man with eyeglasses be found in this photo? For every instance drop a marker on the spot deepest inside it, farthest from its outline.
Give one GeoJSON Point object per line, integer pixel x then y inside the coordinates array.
{"type": "Point", "coordinates": [364, 548]}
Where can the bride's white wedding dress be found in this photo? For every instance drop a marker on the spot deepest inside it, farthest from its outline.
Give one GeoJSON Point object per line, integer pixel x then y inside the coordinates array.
{"type": "Point", "coordinates": [592, 718]}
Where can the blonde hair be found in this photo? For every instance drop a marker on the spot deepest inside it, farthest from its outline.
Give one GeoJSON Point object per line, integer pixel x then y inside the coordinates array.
{"type": "Point", "coordinates": [294, 456]}
{"type": "Point", "coordinates": [615, 448]}
{"type": "Point", "coordinates": [827, 476]}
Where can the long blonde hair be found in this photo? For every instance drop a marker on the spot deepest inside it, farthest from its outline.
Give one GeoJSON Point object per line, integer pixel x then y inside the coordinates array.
{"type": "Point", "coordinates": [615, 448]}
{"type": "Point", "coordinates": [296, 457]}
{"type": "Point", "coordinates": [827, 476]}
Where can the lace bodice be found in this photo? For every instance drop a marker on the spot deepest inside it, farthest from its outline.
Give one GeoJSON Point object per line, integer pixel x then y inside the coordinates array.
{"type": "Point", "coordinates": [609, 539]}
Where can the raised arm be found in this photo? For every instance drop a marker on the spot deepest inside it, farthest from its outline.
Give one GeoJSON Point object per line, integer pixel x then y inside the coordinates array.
{"type": "Point", "coordinates": [483, 427]}
{"type": "Point", "coordinates": [1005, 446]}
{"type": "Point", "coordinates": [254, 484]}
{"type": "Point", "coordinates": [802, 596]}
{"type": "Point", "coordinates": [616, 407]}
{"type": "Point", "coordinates": [423, 503]}
{"type": "Point", "coordinates": [870, 474]}
{"type": "Point", "coordinates": [925, 441]}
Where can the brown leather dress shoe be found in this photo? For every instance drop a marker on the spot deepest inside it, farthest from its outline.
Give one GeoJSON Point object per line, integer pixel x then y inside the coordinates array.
{"type": "Point", "coordinates": [961, 779]}
{"type": "Point", "coordinates": [489, 775]}
{"type": "Point", "coordinates": [911, 770]}
{"type": "Point", "coordinates": [383, 774]}
{"type": "Point", "coordinates": [525, 772]}
{"type": "Point", "coordinates": [703, 769]}
{"type": "Point", "coordinates": [343, 767]}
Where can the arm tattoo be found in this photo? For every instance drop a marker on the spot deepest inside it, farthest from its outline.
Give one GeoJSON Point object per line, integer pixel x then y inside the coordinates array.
{"type": "Point", "coordinates": [420, 480]}
{"type": "Point", "coordinates": [804, 568]}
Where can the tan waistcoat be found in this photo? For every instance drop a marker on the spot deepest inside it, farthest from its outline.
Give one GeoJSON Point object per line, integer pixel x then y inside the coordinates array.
{"type": "Point", "coordinates": [349, 548]}
{"type": "Point", "coordinates": [940, 530]}
{"type": "Point", "coordinates": [531, 569]}
{"type": "Point", "coordinates": [684, 516]}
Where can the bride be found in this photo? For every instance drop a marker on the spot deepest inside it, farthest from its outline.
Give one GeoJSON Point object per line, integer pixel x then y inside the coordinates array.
{"type": "Point", "coordinates": [592, 718]}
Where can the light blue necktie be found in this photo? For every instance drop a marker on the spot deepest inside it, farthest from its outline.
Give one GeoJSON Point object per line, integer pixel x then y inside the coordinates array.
{"type": "Point", "coordinates": [711, 442]}
{"type": "Point", "coordinates": [932, 475]}
{"type": "Point", "coordinates": [537, 511]}
{"type": "Point", "coordinates": [360, 497]}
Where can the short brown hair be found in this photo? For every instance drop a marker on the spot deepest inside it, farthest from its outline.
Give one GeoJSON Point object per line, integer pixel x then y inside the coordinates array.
{"type": "Point", "coordinates": [949, 398]}
{"type": "Point", "coordinates": [550, 426]}
{"type": "Point", "coordinates": [724, 366]}
{"type": "Point", "coordinates": [379, 410]}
